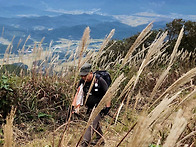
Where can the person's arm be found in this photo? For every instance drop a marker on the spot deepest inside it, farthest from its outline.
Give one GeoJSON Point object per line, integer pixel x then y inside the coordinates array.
{"type": "Point", "coordinates": [75, 100]}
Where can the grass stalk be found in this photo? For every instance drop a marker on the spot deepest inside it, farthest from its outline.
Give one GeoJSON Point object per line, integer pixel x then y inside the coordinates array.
{"type": "Point", "coordinates": [6, 55]}
{"type": "Point", "coordinates": [80, 53]}
{"type": "Point", "coordinates": [153, 51]}
{"type": "Point", "coordinates": [178, 144]}
{"type": "Point", "coordinates": [181, 81]}
{"type": "Point", "coordinates": [189, 96]}
{"type": "Point", "coordinates": [179, 125]}
{"type": "Point", "coordinates": [141, 38]}
{"type": "Point", "coordinates": [105, 42]}
{"type": "Point", "coordinates": [172, 59]}
{"type": "Point", "coordinates": [8, 129]}
{"type": "Point", "coordinates": [21, 52]}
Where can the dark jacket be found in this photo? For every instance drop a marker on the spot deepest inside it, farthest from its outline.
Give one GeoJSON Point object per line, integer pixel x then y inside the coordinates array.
{"type": "Point", "coordinates": [98, 91]}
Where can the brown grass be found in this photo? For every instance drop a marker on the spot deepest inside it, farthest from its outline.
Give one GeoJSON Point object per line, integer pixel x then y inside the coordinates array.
{"type": "Point", "coordinates": [179, 125]}
{"type": "Point", "coordinates": [8, 129]}
{"type": "Point", "coordinates": [143, 127]}
{"type": "Point", "coordinates": [172, 59]}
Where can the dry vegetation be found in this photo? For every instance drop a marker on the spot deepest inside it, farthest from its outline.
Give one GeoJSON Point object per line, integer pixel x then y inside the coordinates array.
{"type": "Point", "coordinates": [152, 105]}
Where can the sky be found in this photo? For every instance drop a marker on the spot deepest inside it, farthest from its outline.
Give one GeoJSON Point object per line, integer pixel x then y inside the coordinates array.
{"type": "Point", "coordinates": [131, 12]}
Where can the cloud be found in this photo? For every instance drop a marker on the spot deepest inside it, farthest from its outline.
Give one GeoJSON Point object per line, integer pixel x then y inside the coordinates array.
{"type": "Point", "coordinates": [133, 20]}
{"type": "Point", "coordinates": [63, 11]}
{"type": "Point", "coordinates": [147, 17]}
{"type": "Point", "coordinates": [169, 16]}
{"type": "Point", "coordinates": [149, 14]}
{"type": "Point", "coordinates": [28, 15]}
{"type": "Point", "coordinates": [187, 17]}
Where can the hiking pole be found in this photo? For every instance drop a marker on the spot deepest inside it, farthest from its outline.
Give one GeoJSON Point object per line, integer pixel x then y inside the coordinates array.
{"type": "Point", "coordinates": [117, 119]}
{"type": "Point", "coordinates": [127, 134]}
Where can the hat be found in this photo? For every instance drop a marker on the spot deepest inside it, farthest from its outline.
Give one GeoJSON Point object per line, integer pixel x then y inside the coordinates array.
{"type": "Point", "coordinates": [86, 68]}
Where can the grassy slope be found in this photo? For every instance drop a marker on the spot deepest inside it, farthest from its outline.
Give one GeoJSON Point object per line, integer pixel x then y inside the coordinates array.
{"type": "Point", "coordinates": [155, 114]}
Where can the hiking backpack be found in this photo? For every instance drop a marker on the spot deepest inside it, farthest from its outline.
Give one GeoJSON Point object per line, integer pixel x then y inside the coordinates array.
{"type": "Point", "coordinates": [105, 75]}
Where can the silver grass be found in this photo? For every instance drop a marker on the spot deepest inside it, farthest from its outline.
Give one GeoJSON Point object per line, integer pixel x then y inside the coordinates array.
{"type": "Point", "coordinates": [118, 112]}
{"type": "Point", "coordinates": [127, 88]}
{"type": "Point", "coordinates": [21, 52]}
{"type": "Point", "coordinates": [141, 136]}
{"type": "Point", "coordinates": [154, 49]}
{"type": "Point", "coordinates": [105, 42]}
{"type": "Point", "coordinates": [8, 129]}
{"type": "Point", "coordinates": [79, 52]}
{"type": "Point", "coordinates": [40, 49]}
{"type": "Point", "coordinates": [188, 97]}
{"type": "Point", "coordinates": [81, 49]}
{"type": "Point", "coordinates": [155, 114]}
{"type": "Point", "coordinates": [87, 57]}
{"type": "Point", "coordinates": [71, 56]}
{"type": "Point", "coordinates": [137, 97]}
{"type": "Point", "coordinates": [67, 53]}
{"type": "Point", "coordinates": [181, 81]}
{"type": "Point", "coordinates": [184, 55]}
{"type": "Point", "coordinates": [9, 54]}
{"type": "Point", "coordinates": [6, 55]}
{"type": "Point", "coordinates": [108, 38]}
{"type": "Point", "coordinates": [178, 144]}
{"type": "Point", "coordinates": [141, 38]}
{"type": "Point", "coordinates": [83, 45]}
{"type": "Point", "coordinates": [173, 55]}
{"type": "Point", "coordinates": [179, 125]}
{"type": "Point", "coordinates": [159, 82]}
{"type": "Point", "coordinates": [139, 55]}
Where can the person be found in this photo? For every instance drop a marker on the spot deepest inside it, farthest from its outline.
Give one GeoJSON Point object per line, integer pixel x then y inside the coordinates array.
{"type": "Point", "coordinates": [96, 94]}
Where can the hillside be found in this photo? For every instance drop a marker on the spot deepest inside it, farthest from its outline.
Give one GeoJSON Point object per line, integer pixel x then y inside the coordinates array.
{"type": "Point", "coordinates": [153, 96]}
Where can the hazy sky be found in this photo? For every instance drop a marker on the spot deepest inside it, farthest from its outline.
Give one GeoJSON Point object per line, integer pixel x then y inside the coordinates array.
{"type": "Point", "coordinates": [127, 11]}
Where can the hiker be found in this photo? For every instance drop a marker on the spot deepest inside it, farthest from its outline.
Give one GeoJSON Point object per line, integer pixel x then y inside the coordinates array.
{"type": "Point", "coordinates": [96, 94]}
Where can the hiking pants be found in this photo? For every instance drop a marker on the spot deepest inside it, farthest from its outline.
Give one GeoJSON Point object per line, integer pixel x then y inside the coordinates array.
{"type": "Point", "coordinates": [95, 125]}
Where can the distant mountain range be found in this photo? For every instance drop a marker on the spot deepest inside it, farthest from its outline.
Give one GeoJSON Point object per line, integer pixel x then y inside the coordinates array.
{"type": "Point", "coordinates": [66, 26]}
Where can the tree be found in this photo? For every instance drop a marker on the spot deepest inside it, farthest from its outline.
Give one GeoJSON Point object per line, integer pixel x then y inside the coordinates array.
{"type": "Point", "coordinates": [174, 28]}
{"type": "Point", "coordinates": [188, 41]}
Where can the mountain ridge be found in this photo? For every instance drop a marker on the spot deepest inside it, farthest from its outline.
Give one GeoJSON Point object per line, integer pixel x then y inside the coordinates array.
{"type": "Point", "coordinates": [66, 26]}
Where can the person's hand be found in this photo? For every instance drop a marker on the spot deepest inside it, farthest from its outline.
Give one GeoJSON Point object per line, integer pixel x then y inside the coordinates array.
{"type": "Point", "coordinates": [105, 111]}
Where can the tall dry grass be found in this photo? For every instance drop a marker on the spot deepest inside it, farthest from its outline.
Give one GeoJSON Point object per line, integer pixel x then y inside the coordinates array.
{"type": "Point", "coordinates": [171, 62]}
{"type": "Point", "coordinates": [178, 127]}
{"type": "Point", "coordinates": [142, 135]}
{"type": "Point", "coordinates": [141, 38]}
{"type": "Point", "coordinates": [180, 82]}
{"type": "Point", "coordinates": [8, 129]}
{"type": "Point", "coordinates": [79, 53]}
{"type": "Point", "coordinates": [138, 132]}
